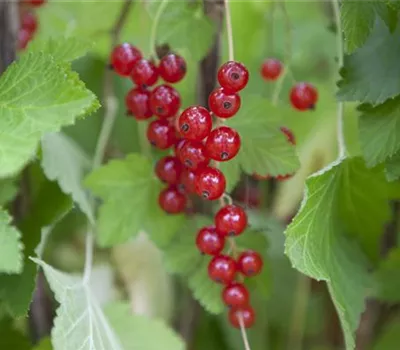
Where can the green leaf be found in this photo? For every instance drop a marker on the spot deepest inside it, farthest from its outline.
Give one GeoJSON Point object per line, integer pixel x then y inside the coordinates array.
{"type": "Point", "coordinates": [379, 131]}
{"type": "Point", "coordinates": [265, 149]}
{"type": "Point", "coordinates": [62, 49]}
{"type": "Point", "coordinates": [316, 243]}
{"type": "Point", "coordinates": [182, 257]}
{"type": "Point", "coordinates": [388, 278]}
{"type": "Point", "coordinates": [37, 96]}
{"type": "Point", "coordinates": [141, 332]}
{"type": "Point", "coordinates": [11, 337]}
{"type": "Point", "coordinates": [64, 162]}
{"type": "Point", "coordinates": [358, 19]}
{"type": "Point", "coordinates": [8, 190]}
{"type": "Point", "coordinates": [370, 73]}
{"type": "Point", "coordinates": [392, 169]}
{"type": "Point", "coordinates": [80, 322]}
{"type": "Point", "coordinates": [11, 257]}
{"type": "Point", "coordinates": [389, 336]}
{"type": "Point", "coordinates": [231, 170]}
{"type": "Point", "coordinates": [45, 344]}
{"type": "Point", "coordinates": [183, 25]}
{"type": "Point", "coordinates": [129, 191]}
{"type": "Point", "coordinates": [47, 205]}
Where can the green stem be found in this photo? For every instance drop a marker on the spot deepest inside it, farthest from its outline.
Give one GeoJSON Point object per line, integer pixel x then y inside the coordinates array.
{"type": "Point", "coordinates": [143, 142]}
{"type": "Point", "coordinates": [153, 35]}
{"type": "Point", "coordinates": [340, 105]}
{"type": "Point", "coordinates": [299, 314]}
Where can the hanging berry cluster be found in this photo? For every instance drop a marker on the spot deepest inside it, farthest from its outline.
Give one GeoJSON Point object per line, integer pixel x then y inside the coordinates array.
{"type": "Point", "coordinates": [163, 101]}
{"type": "Point", "coordinates": [28, 22]}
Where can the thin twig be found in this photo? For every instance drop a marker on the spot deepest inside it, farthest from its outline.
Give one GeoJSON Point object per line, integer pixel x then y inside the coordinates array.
{"type": "Point", "coordinates": [340, 106]}
{"type": "Point", "coordinates": [229, 31]}
{"type": "Point", "coordinates": [154, 27]}
{"type": "Point", "coordinates": [298, 320]}
{"type": "Point", "coordinates": [110, 104]}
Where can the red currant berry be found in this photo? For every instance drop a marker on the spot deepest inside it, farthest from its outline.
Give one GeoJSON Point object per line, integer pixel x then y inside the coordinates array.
{"type": "Point", "coordinates": [192, 155]}
{"type": "Point", "coordinates": [35, 3]}
{"type": "Point", "coordinates": [235, 295]}
{"type": "Point", "coordinates": [137, 103]}
{"type": "Point", "coordinates": [24, 37]}
{"type": "Point", "coordinates": [169, 169]}
{"type": "Point", "coordinates": [223, 144]}
{"type": "Point", "coordinates": [246, 313]}
{"type": "Point", "coordinates": [303, 96]}
{"type": "Point", "coordinates": [161, 134]}
{"type": "Point", "coordinates": [29, 22]}
{"type": "Point", "coordinates": [171, 200]}
{"type": "Point", "coordinates": [271, 69]}
{"type": "Point", "coordinates": [195, 123]}
{"type": "Point", "coordinates": [210, 183]}
{"type": "Point", "coordinates": [172, 68]}
{"type": "Point", "coordinates": [230, 220]}
{"type": "Point", "coordinates": [222, 269]}
{"type": "Point", "coordinates": [124, 57]}
{"type": "Point", "coordinates": [187, 181]}
{"type": "Point", "coordinates": [209, 242]}
{"type": "Point", "coordinates": [178, 145]}
{"type": "Point", "coordinates": [165, 101]}
{"type": "Point", "coordinates": [250, 263]}
{"type": "Point", "coordinates": [144, 72]}
{"type": "Point", "coordinates": [224, 104]}
{"type": "Point", "coordinates": [233, 76]}
{"type": "Point", "coordinates": [289, 135]}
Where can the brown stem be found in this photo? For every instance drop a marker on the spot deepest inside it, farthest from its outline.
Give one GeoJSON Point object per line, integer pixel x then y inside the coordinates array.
{"type": "Point", "coordinates": [9, 23]}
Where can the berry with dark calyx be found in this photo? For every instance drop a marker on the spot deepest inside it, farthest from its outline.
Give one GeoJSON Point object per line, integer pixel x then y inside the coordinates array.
{"type": "Point", "coordinates": [210, 183]}
{"type": "Point", "coordinates": [172, 68]}
{"type": "Point", "coordinates": [303, 96]}
{"type": "Point", "coordinates": [172, 201]}
{"type": "Point", "coordinates": [169, 169]}
{"type": "Point", "coordinates": [144, 72]}
{"type": "Point", "coordinates": [222, 269]}
{"type": "Point", "coordinates": [246, 313]}
{"type": "Point", "coordinates": [271, 69]}
{"type": "Point", "coordinates": [24, 37]}
{"type": "Point", "coordinates": [209, 242]}
{"type": "Point", "coordinates": [224, 104]}
{"type": "Point", "coordinates": [195, 123]}
{"type": "Point", "coordinates": [35, 3]}
{"type": "Point", "coordinates": [161, 134]}
{"type": "Point", "coordinates": [192, 155]}
{"type": "Point", "coordinates": [29, 22]}
{"type": "Point", "coordinates": [289, 135]}
{"type": "Point", "coordinates": [250, 263]}
{"type": "Point", "coordinates": [235, 295]}
{"type": "Point", "coordinates": [137, 103]}
{"type": "Point", "coordinates": [233, 76]}
{"type": "Point", "coordinates": [230, 220]}
{"type": "Point", "coordinates": [187, 181]}
{"type": "Point", "coordinates": [124, 57]}
{"type": "Point", "coordinates": [165, 101]}
{"type": "Point", "coordinates": [223, 144]}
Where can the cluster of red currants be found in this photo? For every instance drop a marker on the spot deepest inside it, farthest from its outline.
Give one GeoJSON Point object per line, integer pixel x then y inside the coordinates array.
{"type": "Point", "coordinates": [146, 100]}
{"type": "Point", "coordinates": [28, 22]}
{"type": "Point", "coordinates": [303, 96]}
{"type": "Point", "coordinates": [230, 221]}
